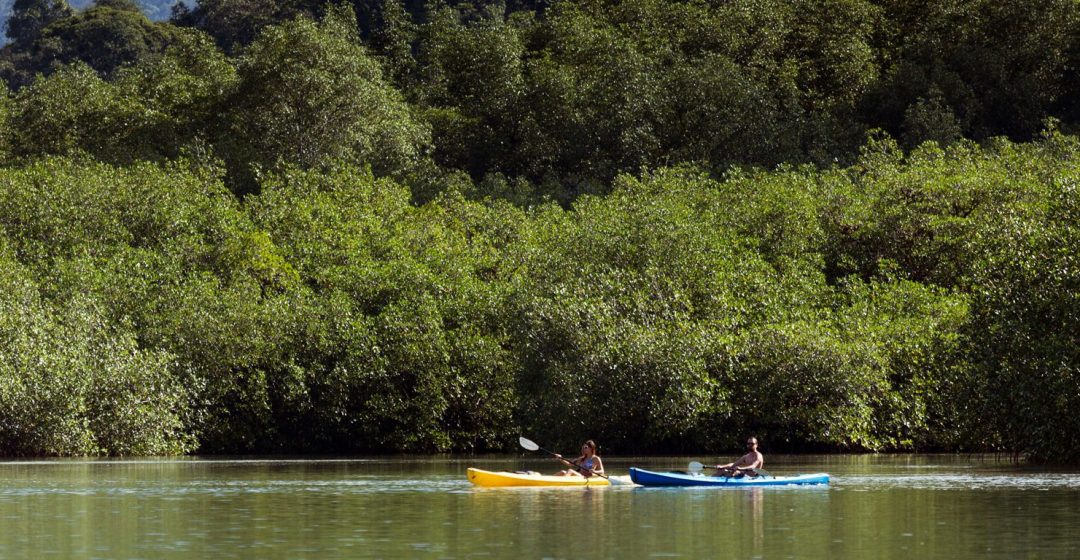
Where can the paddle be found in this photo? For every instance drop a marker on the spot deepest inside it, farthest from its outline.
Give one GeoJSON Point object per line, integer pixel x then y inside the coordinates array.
{"type": "Point", "coordinates": [532, 446]}
{"type": "Point", "coordinates": [695, 467]}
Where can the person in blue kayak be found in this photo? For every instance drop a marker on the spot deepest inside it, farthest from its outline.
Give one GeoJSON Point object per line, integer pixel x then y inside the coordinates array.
{"type": "Point", "coordinates": [586, 465]}
{"type": "Point", "coordinates": [753, 459]}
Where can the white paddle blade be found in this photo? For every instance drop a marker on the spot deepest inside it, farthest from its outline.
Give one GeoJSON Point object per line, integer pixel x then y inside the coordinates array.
{"type": "Point", "coordinates": [528, 444]}
{"type": "Point", "coordinates": [695, 466]}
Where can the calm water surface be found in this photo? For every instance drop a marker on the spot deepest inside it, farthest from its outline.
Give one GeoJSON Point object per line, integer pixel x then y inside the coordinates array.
{"type": "Point", "coordinates": [876, 507]}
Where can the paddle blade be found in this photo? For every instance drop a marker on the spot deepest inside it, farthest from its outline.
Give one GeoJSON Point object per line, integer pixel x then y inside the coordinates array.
{"type": "Point", "coordinates": [763, 472]}
{"type": "Point", "coordinates": [695, 466]}
{"type": "Point", "coordinates": [528, 444]}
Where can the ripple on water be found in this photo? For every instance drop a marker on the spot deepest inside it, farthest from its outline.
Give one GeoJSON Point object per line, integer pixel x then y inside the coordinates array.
{"type": "Point", "coordinates": [354, 485]}
{"type": "Point", "coordinates": [1035, 481]}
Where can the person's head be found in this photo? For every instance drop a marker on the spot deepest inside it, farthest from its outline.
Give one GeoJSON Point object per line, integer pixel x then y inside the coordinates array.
{"type": "Point", "coordinates": [588, 448]}
{"type": "Point", "coordinates": [751, 443]}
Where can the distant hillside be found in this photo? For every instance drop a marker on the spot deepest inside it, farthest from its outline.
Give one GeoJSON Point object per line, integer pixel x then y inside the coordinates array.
{"type": "Point", "coordinates": [156, 10]}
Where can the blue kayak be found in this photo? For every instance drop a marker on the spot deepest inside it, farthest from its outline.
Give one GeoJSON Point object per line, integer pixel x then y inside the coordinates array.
{"type": "Point", "coordinates": [650, 478]}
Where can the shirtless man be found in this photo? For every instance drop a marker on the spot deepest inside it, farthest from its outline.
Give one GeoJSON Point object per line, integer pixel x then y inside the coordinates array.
{"type": "Point", "coordinates": [747, 463]}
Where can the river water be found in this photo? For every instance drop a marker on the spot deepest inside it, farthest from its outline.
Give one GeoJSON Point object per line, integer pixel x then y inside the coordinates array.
{"type": "Point", "coordinates": [876, 507]}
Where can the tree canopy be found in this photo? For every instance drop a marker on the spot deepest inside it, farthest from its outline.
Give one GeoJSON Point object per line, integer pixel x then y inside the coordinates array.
{"type": "Point", "coordinates": [287, 226]}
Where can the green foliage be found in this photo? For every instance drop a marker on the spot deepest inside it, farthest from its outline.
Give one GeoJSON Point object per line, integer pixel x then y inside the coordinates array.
{"type": "Point", "coordinates": [75, 111]}
{"type": "Point", "coordinates": [907, 302]}
{"type": "Point", "coordinates": [106, 37]}
{"type": "Point", "coordinates": [930, 120]}
{"type": "Point", "coordinates": [166, 104]}
{"type": "Point", "coordinates": [128, 5]}
{"type": "Point", "coordinates": [393, 39]}
{"type": "Point", "coordinates": [911, 337]}
{"type": "Point", "coordinates": [1026, 319]}
{"type": "Point", "coordinates": [634, 303]}
{"type": "Point", "coordinates": [184, 91]}
{"type": "Point", "coordinates": [586, 91]}
{"type": "Point", "coordinates": [999, 65]}
{"type": "Point", "coordinates": [309, 95]}
{"type": "Point", "coordinates": [71, 385]}
{"type": "Point", "coordinates": [235, 23]}
{"type": "Point", "coordinates": [559, 99]}
{"type": "Point", "coordinates": [155, 249]}
{"type": "Point", "coordinates": [660, 224]}
{"type": "Point", "coordinates": [471, 86]}
{"type": "Point", "coordinates": [413, 352]}
{"type": "Point", "coordinates": [6, 124]}
{"type": "Point", "coordinates": [29, 17]}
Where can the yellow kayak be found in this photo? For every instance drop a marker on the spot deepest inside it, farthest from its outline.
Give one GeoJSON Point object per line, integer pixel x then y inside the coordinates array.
{"type": "Point", "coordinates": [494, 479]}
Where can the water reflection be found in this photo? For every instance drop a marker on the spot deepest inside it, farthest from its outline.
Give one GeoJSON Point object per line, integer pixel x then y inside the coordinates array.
{"type": "Point", "coordinates": [392, 508]}
{"type": "Point", "coordinates": [756, 498]}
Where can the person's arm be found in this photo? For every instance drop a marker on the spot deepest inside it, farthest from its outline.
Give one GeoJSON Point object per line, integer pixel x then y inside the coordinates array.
{"type": "Point", "coordinates": [572, 463]}
{"type": "Point", "coordinates": [738, 464]}
{"type": "Point", "coordinates": [598, 466]}
{"type": "Point", "coordinates": [728, 469]}
{"type": "Point", "coordinates": [759, 460]}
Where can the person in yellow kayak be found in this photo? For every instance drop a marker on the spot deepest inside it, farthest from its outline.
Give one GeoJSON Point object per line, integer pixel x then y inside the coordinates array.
{"type": "Point", "coordinates": [748, 463]}
{"type": "Point", "coordinates": [586, 465]}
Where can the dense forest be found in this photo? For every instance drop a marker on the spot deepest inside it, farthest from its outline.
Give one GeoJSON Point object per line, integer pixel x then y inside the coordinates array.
{"type": "Point", "coordinates": [291, 226]}
{"type": "Point", "coordinates": [157, 10]}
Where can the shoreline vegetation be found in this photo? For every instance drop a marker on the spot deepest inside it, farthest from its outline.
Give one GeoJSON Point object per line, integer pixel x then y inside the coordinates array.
{"type": "Point", "coordinates": [364, 228]}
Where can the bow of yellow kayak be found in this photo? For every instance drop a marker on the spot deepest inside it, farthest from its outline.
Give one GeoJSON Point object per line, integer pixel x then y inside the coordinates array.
{"type": "Point", "coordinates": [496, 479]}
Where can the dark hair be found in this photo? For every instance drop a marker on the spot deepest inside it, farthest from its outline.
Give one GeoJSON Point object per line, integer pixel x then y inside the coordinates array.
{"type": "Point", "coordinates": [590, 444]}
